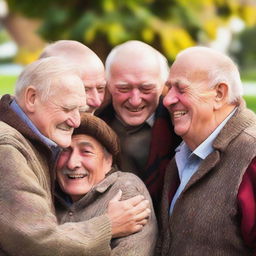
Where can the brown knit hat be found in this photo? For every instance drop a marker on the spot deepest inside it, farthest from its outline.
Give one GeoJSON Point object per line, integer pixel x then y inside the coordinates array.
{"type": "Point", "coordinates": [99, 130]}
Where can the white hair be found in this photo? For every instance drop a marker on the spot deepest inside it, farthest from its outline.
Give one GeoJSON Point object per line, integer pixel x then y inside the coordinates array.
{"type": "Point", "coordinates": [41, 74]}
{"type": "Point", "coordinates": [162, 61]}
{"type": "Point", "coordinates": [224, 70]}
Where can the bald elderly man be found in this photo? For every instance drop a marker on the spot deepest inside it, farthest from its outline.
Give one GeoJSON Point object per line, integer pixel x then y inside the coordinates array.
{"type": "Point", "coordinates": [209, 198]}
{"type": "Point", "coordinates": [136, 74]}
{"type": "Point", "coordinates": [91, 68]}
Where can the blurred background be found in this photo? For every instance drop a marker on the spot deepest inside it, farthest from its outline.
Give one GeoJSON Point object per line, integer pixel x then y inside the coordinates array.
{"type": "Point", "coordinates": [26, 26]}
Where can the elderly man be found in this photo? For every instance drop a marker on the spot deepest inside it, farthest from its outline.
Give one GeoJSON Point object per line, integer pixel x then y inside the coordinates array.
{"type": "Point", "coordinates": [136, 74]}
{"type": "Point", "coordinates": [209, 192]}
{"type": "Point", "coordinates": [87, 182]}
{"type": "Point", "coordinates": [49, 97]}
{"type": "Point", "coordinates": [91, 68]}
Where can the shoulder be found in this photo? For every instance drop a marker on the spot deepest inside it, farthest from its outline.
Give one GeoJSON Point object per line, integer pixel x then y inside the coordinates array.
{"type": "Point", "coordinates": [15, 141]}
{"type": "Point", "coordinates": [129, 179]}
{"type": "Point", "coordinates": [9, 134]}
{"type": "Point", "coordinates": [131, 184]}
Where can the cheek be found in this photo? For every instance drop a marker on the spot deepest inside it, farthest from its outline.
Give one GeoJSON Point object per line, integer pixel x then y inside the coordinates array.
{"type": "Point", "coordinates": [153, 99]}
{"type": "Point", "coordinates": [62, 160]}
{"type": "Point", "coordinates": [119, 98]}
{"type": "Point", "coordinates": [101, 96]}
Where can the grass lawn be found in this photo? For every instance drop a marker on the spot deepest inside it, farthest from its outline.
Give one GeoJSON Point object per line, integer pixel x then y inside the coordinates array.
{"type": "Point", "coordinates": [251, 102]}
{"type": "Point", "coordinates": [7, 83]}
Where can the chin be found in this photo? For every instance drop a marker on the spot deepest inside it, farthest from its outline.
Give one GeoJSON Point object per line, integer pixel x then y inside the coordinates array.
{"type": "Point", "coordinates": [134, 121]}
{"type": "Point", "coordinates": [64, 142]}
{"type": "Point", "coordinates": [179, 132]}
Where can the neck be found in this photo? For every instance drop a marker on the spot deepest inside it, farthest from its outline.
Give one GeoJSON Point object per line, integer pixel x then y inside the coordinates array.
{"type": "Point", "coordinates": [219, 116]}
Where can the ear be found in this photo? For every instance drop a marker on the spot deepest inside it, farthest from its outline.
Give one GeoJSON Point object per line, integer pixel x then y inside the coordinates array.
{"type": "Point", "coordinates": [221, 95]}
{"type": "Point", "coordinates": [30, 98]}
{"type": "Point", "coordinates": [109, 161]}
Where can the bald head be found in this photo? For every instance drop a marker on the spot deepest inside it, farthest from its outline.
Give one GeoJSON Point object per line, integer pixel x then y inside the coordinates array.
{"type": "Point", "coordinates": [91, 67]}
{"type": "Point", "coordinates": [210, 64]}
{"type": "Point", "coordinates": [66, 48]}
{"type": "Point", "coordinates": [136, 74]}
{"type": "Point", "coordinates": [130, 52]}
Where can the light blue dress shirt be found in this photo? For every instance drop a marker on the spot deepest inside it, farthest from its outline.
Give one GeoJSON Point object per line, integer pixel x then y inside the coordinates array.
{"type": "Point", "coordinates": [188, 162]}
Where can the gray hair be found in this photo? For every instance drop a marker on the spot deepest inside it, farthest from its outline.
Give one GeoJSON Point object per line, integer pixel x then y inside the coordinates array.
{"type": "Point", "coordinates": [162, 61]}
{"type": "Point", "coordinates": [224, 70]}
{"type": "Point", "coordinates": [41, 74]}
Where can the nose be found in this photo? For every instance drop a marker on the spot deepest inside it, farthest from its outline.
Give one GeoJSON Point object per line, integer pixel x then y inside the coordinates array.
{"type": "Point", "coordinates": [93, 98]}
{"type": "Point", "coordinates": [74, 161]}
{"type": "Point", "coordinates": [135, 97]}
{"type": "Point", "coordinates": [75, 118]}
{"type": "Point", "coordinates": [170, 98]}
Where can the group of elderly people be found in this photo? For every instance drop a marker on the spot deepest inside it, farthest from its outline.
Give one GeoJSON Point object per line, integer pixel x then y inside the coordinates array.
{"type": "Point", "coordinates": [132, 159]}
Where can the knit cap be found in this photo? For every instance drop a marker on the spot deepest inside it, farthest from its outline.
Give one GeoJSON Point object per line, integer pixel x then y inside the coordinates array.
{"type": "Point", "coordinates": [99, 130]}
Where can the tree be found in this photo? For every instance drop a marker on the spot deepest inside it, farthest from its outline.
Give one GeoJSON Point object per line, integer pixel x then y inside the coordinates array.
{"type": "Point", "coordinates": [168, 25]}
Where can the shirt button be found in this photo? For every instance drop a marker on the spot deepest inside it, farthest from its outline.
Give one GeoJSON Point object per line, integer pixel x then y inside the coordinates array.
{"type": "Point", "coordinates": [70, 214]}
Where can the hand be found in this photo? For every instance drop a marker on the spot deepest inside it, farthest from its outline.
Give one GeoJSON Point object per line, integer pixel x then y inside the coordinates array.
{"type": "Point", "coordinates": [128, 216]}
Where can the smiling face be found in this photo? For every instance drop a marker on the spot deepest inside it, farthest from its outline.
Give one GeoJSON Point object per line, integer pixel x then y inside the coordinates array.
{"type": "Point", "coordinates": [81, 166]}
{"type": "Point", "coordinates": [190, 101]}
{"type": "Point", "coordinates": [57, 117]}
{"type": "Point", "coordinates": [135, 86]}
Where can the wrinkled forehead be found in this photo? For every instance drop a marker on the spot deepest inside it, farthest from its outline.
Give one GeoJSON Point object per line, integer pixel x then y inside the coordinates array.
{"type": "Point", "coordinates": [69, 89]}
{"type": "Point", "coordinates": [71, 83]}
{"type": "Point", "coordinates": [86, 140]}
{"type": "Point", "coordinates": [187, 68]}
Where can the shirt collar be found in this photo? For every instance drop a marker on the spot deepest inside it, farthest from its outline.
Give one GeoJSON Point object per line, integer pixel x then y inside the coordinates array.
{"type": "Point", "coordinates": [150, 121]}
{"type": "Point", "coordinates": [17, 109]}
{"type": "Point", "coordinates": [205, 148]}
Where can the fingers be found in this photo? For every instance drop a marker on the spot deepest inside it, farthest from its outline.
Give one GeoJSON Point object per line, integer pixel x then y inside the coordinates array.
{"type": "Point", "coordinates": [141, 207]}
{"type": "Point", "coordinates": [134, 200]}
{"type": "Point", "coordinates": [117, 197]}
{"type": "Point", "coordinates": [139, 225]}
{"type": "Point", "coordinates": [142, 216]}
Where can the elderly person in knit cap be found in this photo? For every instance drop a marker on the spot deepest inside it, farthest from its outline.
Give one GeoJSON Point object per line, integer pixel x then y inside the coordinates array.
{"type": "Point", "coordinates": [88, 179]}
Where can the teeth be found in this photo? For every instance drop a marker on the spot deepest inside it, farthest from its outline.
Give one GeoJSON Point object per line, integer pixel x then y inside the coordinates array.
{"type": "Point", "coordinates": [177, 114]}
{"type": "Point", "coordinates": [76, 176]}
{"type": "Point", "coordinates": [135, 109]}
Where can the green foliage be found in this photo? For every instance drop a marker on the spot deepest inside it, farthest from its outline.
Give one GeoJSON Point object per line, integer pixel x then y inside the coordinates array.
{"type": "Point", "coordinates": [169, 25]}
{"type": "Point", "coordinates": [4, 37]}
{"type": "Point", "coordinates": [246, 54]}
{"type": "Point", "coordinates": [249, 73]}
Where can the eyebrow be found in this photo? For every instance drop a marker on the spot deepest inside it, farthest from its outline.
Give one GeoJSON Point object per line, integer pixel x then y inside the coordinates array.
{"type": "Point", "coordinates": [141, 84]}
{"type": "Point", "coordinates": [97, 85]}
{"type": "Point", "coordinates": [177, 82]}
{"type": "Point", "coordinates": [86, 144]}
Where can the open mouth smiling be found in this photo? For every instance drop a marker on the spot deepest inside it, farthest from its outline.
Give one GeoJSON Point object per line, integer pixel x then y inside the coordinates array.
{"type": "Point", "coordinates": [76, 176]}
{"type": "Point", "coordinates": [135, 109]}
{"type": "Point", "coordinates": [178, 114]}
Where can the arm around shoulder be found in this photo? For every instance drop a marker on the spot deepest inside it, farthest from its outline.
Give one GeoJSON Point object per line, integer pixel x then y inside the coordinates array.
{"type": "Point", "coordinates": [28, 223]}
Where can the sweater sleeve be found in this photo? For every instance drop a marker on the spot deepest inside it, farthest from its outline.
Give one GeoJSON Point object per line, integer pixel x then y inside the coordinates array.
{"type": "Point", "coordinates": [28, 223]}
{"type": "Point", "coordinates": [141, 243]}
{"type": "Point", "coordinates": [247, 205]}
